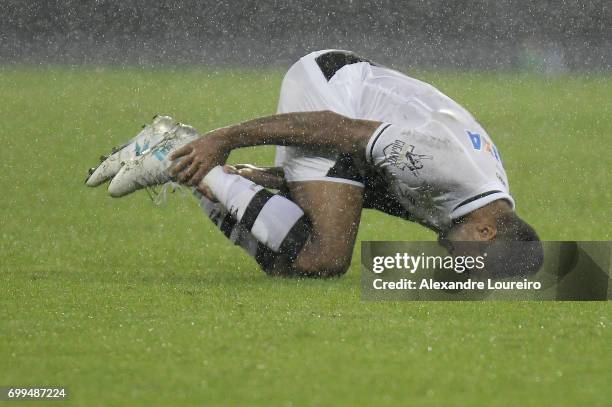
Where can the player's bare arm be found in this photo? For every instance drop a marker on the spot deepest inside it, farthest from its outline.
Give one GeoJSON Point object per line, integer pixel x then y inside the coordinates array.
{"type": "Point", "coordinates": [321, 129]}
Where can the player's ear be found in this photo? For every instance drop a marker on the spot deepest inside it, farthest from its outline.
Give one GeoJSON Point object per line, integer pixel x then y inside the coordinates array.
{"type": "Point", "coordinates": [486, 231]}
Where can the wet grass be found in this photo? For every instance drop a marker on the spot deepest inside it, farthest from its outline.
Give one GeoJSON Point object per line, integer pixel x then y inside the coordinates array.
{"type": "Point", "coordinates": [124, 302]}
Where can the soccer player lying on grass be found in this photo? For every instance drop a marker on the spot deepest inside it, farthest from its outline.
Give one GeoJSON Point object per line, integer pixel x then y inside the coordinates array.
{"type": "Point", "coordinates": [349, 133]}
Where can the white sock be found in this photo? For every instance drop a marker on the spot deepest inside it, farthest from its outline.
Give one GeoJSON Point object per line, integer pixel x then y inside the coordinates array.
{"type": "Point", "coordinates": [268, 227]}
{"type": "Point", "coordinates": [233, 191]}
{"type": "Point", "coordinates": [273, 220]}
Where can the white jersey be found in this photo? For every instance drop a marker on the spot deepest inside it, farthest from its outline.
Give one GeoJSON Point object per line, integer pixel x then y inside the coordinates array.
{"type": "Point", "coordinates": [437, 160]}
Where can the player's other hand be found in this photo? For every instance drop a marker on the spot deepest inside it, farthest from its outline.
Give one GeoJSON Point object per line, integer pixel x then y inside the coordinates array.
{"type": "Point", "coordinates": [267, 177]}
{"type": "Point", "coordinates": [194, 160]}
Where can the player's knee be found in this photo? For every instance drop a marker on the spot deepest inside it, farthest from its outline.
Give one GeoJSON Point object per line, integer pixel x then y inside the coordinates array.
{"type": "Point", "coordinates": [309, 262]}
{"type": "Point", "coordinates": [323, 266]}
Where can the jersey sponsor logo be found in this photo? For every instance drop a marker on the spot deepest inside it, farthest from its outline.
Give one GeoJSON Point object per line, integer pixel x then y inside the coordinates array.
{"type": "Point", "coordinates": [475, 139]}
{"type": "Point", "coordinates": [404, 157]}
{"type": "Point", "coordinates": [480, 143]}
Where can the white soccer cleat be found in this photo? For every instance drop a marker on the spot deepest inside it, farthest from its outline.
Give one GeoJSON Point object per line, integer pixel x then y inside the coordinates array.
{"type": "Point", "coordinates": [148, 137]}
{"type": "Point", "coordinates": [152, 166]}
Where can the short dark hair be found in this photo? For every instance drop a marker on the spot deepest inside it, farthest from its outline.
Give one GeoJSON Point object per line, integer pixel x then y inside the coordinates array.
{"type": "Point", "coordinates": [516, 250]}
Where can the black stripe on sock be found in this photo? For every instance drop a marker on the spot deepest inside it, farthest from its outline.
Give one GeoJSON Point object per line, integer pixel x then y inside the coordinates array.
{"type": "Point", "coordinates": [295, 239]}
{"type": "Point", "coordinates": [227, 225]}
{"type": "Point", "coordinates": [255, 206]}
{"type": "Point", "coordinates": [265, 257]}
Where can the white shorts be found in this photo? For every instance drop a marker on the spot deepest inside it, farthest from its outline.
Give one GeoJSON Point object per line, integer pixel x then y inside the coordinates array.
{"type": "Point", "coordinates": [306, 88]}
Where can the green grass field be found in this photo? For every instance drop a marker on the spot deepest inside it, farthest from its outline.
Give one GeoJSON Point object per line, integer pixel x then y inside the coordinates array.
{"type": "Point", "coordinates": [124, 302]}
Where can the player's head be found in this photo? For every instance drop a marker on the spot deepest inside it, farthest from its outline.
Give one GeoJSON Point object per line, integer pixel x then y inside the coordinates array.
{"type": "Point", "coordinates": [512, 245]}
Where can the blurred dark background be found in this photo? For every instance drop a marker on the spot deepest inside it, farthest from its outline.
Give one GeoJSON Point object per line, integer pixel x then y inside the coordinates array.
{"type": "Point", "coordinates": [548, 36]}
